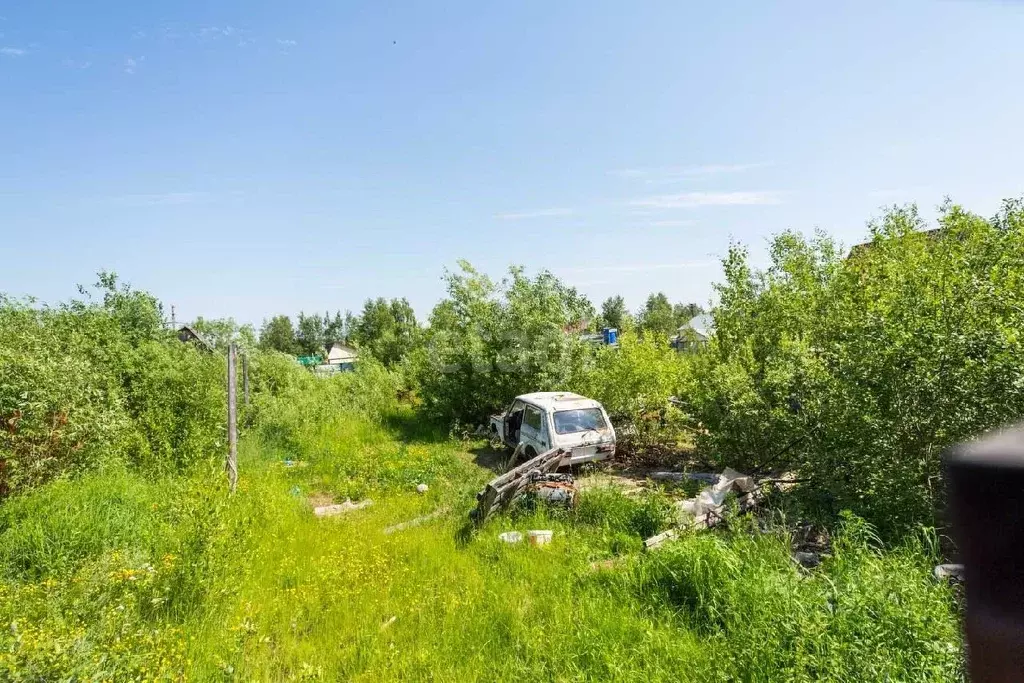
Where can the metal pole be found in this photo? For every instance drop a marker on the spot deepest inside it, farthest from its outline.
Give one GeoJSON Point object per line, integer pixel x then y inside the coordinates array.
{"type": "Point", "coordinates": [232, 462]}
{"type": "Point", "coordinates": [245, 377]}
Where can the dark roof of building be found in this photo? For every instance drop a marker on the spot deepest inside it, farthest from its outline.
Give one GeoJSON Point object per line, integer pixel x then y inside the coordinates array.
{"type": "Point", "coordinates": [187, 333]}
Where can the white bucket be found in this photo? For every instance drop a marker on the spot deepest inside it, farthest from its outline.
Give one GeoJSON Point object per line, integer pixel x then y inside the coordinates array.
{"type": "Point", "coordinates": [511, 537]}
{"type": "Point", "coordinates": [539, 537]}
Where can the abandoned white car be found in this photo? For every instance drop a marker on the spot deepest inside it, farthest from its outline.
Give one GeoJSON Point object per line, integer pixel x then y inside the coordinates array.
{"type": "Point", "coordinates": [557, 419]}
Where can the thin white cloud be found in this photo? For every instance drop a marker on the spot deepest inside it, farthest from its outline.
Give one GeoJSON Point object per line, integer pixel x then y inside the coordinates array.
{"type": "Point", "coordinates": [210, 32]}
{"type": "Point", "coordinates": [286, 42]}
{"type": "Point", "coordinates": [242, 36]}
{"type": "Point", "coordinates": [541, 213]}
{"type": "Point", "coordinates": [716, 169]}
{"type": "Point", "coordinates": [75, 64]}
{"type": "Point", "coordinates": [690, 200]}
{"type": "Point", "coordinates": [12, 51]}
{"type": "Point", "coordinates": [640, 267]}
{"type": "Point", "coordinates": [129, 65]}
{"type": "Point", "coordinates": [670, 174]}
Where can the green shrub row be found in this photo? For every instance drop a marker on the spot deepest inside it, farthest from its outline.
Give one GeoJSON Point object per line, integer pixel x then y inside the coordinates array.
{"type": "Point", "coordinates": [857, 370]}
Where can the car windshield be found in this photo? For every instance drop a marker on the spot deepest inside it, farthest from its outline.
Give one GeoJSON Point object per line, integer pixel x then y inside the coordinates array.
{"type": "Point", "coordinates": [580, 420]}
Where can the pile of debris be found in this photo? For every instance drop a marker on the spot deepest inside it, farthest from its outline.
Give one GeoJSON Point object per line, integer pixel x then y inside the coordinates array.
{"type": "Point", "coordinates": [707, 508]}
{"type": "Point", "coordinates": [810, 544]}
{"type": "Point", "coordinates": [535, 475]}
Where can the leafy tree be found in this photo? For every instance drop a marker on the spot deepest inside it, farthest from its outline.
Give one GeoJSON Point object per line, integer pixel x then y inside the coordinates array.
{"type": "Point", "coordinates": [124, 389]}
{"type": "Point", "coordinates": [387, 329]}
{"type": "Point", "coordinates": [277, 334]}
{"type": "Point", "coordinates": [656, 317]}
{"type": "Point", "coordinates": [335, 330]}
{"type": "Point", "coordinates": [220, 332]}
{"type": "Point", "coordinates": [615, 314]}
{"type": "Point", "coordinates": [138, 314]}
{"type": "Point", "coordinates": [634, 382]}
{"type": "Point", "coordinates": [310, 336]}
{"type": "Point", "coordinates": [490, 341]}
{"type": "Point", "coordinates": [348, 325]}
{"type": "Point", "coordinates": [859, 371]}
{"type": "Point", "coordinates": [684, 313]}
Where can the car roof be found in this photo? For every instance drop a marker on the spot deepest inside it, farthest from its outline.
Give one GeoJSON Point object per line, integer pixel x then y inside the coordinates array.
{"type": "Point", "coordinates": [558, 399]}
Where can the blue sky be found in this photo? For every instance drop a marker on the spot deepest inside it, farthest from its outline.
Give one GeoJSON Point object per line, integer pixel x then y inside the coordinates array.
{"type": "Point", "coordinates": [246, 158]}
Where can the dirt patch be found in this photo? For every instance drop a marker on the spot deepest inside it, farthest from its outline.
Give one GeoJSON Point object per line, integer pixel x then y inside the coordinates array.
{"type": "Point", "coordinates": [635, 480]}
{"type": "Point", "coordinates": [320, 499]}
{"type": "Point", "coordinates": [489, 456]}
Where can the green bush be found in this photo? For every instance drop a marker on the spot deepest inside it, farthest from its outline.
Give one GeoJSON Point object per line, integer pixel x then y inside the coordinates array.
{"type": "Point", "coordinates": [298, 401]}
{"type": "Point", "coordinates": [488, 343]}
{"type": "Point", "coordinates": [859, 371]}
{"type": "Point", "coordinates": [634, 383]}
{"type": "Point", "coordinates": [60, 403]}
{"type": "Point", "coordinates": [90, 383]}
{"type": "Point", "coordinates": [864, 615]}
{"type": "Point", "coordinates": [176, 397]}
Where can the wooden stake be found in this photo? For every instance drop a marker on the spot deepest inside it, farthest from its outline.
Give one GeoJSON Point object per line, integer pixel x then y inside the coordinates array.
{"type": "Point", "coordinates": [232, 462]}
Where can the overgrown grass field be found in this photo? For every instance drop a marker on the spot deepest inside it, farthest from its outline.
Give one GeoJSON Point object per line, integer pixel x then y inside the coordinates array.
{"type": "Point", "coordinates": [117, 576]}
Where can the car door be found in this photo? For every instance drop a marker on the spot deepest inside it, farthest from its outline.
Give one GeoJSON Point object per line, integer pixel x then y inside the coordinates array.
{"type": "Point", "coordinates": [533, 433]}
{"type": "Point", "coordinates": [513, 421]}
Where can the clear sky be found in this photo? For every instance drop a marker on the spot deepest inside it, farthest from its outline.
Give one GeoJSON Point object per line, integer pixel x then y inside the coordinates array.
{"type": "Point", "coordinates": [244, 158]}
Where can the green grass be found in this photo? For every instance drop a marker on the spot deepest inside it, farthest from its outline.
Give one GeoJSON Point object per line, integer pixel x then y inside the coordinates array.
{"type": "Point", "coordinates": [113, 576]}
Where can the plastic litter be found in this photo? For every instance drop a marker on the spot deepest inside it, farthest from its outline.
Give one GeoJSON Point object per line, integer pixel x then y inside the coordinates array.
{"type": "Point", "coordinates": [540, 536]}
{"type": "Point", "coordinates": [950, 572]}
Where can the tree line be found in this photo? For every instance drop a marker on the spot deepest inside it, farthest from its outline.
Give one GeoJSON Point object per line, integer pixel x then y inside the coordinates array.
{"type": "Point", "coordinates": [851, 369]}
{"type": "Point", "coordinates": [388, 328]}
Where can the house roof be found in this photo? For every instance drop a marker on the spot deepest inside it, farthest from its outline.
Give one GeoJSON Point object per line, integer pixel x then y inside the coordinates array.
{"type": "Point", "coordinates": [343, 347]}
{"type": "Point", "coordinates": [703, 325]}
{"type": "Point", "coordinates": [341, 352]}
{"type": "Point", "coordinates": [187, 332]}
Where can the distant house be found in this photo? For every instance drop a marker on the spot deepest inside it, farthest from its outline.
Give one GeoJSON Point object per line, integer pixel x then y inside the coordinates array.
{"type": "Point", "coordinates": [187, 334]}
{"type": "Point", "coordinates": [341, 356]}
{"type": "Point", "coordinates": [695, 333]}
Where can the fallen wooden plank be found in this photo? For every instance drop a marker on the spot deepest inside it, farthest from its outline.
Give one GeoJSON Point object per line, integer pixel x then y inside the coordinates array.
{"type": "Point", "coordinates": [655, 541]}
{"type": "Point", "coordinates": [502, 490]}
{"type": "Point", "coordinates": [340, 508]}
{"type": "Point", "coordinates": [415, 522]}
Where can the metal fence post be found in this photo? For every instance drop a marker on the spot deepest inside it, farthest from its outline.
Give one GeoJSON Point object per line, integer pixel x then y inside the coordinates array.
{"type": "Point", "coordinates": [232, 462]}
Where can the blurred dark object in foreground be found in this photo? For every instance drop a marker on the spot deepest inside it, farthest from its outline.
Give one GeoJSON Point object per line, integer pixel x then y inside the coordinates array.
{"type": "Point", "coordinates": [986, 499]}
